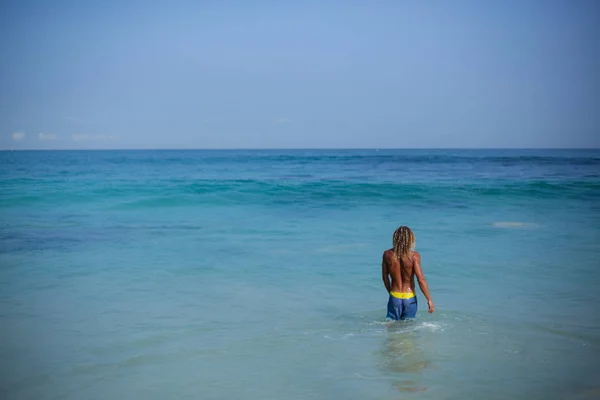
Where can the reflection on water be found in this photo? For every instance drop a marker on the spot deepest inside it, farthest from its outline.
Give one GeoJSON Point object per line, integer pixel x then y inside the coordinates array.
{"type": "Point", "coordinates": [402, 357]}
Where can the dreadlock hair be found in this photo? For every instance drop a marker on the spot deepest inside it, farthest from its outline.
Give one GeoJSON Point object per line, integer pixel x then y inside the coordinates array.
{"type": "Point", "coordinates": [404, 240]}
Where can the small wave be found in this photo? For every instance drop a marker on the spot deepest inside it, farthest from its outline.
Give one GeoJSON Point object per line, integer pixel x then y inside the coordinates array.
{"type": "Point", "coordinates": [340, 193]}
{"type": "Point", "coordinates": [432, 326]}
{"type": "Point", "coordinates": [342, 157]}
{"type": "Point", "coordinates": [410, 325]}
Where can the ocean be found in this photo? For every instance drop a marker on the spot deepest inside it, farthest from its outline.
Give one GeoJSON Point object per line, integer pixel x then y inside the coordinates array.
{"type": "Point", "coordinates": [256, 274]}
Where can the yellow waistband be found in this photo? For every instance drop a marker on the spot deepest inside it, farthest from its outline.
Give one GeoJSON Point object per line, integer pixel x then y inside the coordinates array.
{"type": "Point", "coordinates": [403, 295]}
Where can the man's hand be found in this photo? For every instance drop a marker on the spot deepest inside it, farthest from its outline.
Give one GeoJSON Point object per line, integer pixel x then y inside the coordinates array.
{"type": "Point", "coordinates": [431, 307]}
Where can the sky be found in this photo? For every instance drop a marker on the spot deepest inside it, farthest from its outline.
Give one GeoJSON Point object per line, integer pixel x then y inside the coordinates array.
{"type": "Point", "coordinates": [290, 74]}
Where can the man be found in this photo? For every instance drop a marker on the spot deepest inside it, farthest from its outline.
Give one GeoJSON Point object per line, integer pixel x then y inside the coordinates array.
{"type": "Point", "coordinates": [401, 263]}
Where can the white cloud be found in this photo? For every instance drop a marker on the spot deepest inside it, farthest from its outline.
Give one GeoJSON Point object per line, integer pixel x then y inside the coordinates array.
{"type": "Point", "coordinates": [47, 136]}
{"type": "Point", "coordinates": [281, 120]}
{"type": "Point", "coordinates": [17, 136]}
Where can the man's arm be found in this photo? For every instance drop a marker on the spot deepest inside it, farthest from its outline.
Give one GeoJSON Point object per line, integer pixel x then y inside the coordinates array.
{"type": "Point", "coordinates": [422, 281]}
{"type": "Point", "coordinates": [385, 272]}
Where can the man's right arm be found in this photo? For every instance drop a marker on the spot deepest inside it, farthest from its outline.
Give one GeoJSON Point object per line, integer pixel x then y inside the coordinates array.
{"type": "Point", "coordinates": [422, 281]}
{"type": "Point", "coordinates": [385, 272]}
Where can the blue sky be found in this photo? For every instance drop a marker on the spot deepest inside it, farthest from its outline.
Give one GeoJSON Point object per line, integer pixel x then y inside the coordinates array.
{"type": "Point", "coordinates": [318, 74]}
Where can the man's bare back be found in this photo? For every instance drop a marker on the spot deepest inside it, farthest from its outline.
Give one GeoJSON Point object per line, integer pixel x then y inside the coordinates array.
{"type": "Point", "coordinates": [402, 273]}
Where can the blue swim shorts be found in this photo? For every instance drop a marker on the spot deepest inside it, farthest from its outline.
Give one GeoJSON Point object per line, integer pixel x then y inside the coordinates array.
{"type": "Point", "coordinates": [402, 306]}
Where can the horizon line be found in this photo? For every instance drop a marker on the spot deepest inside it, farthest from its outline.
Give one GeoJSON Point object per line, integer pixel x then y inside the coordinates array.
{"type": "Point", "coordinates": [300, 148]}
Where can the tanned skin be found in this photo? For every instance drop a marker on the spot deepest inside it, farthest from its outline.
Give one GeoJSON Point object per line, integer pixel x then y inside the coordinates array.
{"type": "Point", "coordinates": [402, 273]}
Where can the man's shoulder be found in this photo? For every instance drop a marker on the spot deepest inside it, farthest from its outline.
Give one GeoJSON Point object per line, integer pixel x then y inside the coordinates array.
{"type": "Point", "coordinates": [387, 254]}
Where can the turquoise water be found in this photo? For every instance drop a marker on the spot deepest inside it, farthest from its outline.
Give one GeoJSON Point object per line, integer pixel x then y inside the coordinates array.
{"type": "Point", "coordinates": [256, 274]}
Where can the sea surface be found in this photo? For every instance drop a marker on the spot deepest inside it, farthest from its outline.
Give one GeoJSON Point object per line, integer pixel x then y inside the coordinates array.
{"type": "Point", "coordinates": [257, 274]}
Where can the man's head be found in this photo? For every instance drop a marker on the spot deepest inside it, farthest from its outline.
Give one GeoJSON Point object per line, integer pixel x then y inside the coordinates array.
{"type": "Point", "coordinates": [404, 241]}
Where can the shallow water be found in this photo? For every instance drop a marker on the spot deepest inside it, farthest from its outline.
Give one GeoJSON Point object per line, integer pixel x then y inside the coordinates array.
{"type": "Point", "coordinates": [256, 274]}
